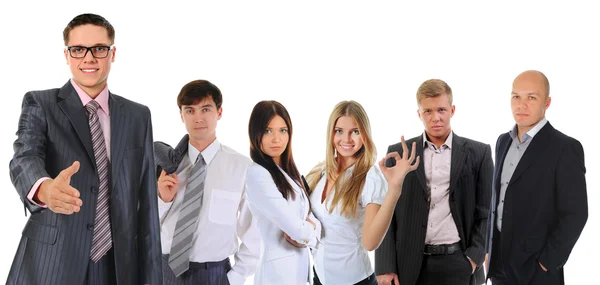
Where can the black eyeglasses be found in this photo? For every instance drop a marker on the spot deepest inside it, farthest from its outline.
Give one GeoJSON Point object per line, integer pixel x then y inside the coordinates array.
{"type": "Point", "coordinates": [81, 52]}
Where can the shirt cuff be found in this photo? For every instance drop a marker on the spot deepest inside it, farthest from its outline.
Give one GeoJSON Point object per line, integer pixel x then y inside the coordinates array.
{"type": "Point", "coordinates": [235, 278]}
{"type": "Point", "coordinates": [34, 190]}
{"type": "Point", "coordinates": [164, 204]}
{"type": "Point", "coordinates": [163, 207]}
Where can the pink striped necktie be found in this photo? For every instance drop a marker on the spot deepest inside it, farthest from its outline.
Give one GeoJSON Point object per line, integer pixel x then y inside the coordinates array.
{"type": "Point", "coordinates": [102, 239]}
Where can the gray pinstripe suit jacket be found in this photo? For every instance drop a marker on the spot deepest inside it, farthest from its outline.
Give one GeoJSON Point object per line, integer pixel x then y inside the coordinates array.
{"type": "Point", "coordinates": [54, 249]}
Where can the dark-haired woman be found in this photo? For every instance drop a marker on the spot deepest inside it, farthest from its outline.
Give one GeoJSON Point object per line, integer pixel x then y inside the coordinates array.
{"type": "Point", "coordinates": [278, 199]}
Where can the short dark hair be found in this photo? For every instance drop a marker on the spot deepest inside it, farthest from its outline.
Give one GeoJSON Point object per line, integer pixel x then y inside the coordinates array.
{"type": "Point", "coordinates": [262, 114]}
{"type": "Point", "coordinates": [89, 19]}
{"type": "Point", "coordinates": [195, 91]}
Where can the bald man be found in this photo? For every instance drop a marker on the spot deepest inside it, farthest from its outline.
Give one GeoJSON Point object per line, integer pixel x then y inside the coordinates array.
{"type": "Point", "coordinates": [539, 203]}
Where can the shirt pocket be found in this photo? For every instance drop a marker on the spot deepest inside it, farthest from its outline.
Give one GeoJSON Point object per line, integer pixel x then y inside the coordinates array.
{"type": "Point", "coordinates": [223, 207]}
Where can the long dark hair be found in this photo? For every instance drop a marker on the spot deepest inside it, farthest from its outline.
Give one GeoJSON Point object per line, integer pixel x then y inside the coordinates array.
{"type": "Point", "coordinates": [262, 114]}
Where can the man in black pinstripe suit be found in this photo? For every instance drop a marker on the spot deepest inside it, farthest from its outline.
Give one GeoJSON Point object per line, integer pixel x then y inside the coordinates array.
{"type": "Point", "coordinates": [84, 167]}
{"type": "Point", "coordinates": [438, 230]}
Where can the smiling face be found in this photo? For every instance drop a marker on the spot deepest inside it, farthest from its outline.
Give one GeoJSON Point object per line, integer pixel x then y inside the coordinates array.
{"type": "Point", "coordinates": [275, 139]}
{"type": "Point", "coordinates": [347, 138]}
{"type": "Point", "coordinates": [88, 72]}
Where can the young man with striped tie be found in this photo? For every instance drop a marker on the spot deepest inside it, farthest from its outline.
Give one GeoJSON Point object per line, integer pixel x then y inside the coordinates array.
{"type": "Point", "coordinates": [83, 167]}
{"type": "Point", "coordinates": [202, 205]}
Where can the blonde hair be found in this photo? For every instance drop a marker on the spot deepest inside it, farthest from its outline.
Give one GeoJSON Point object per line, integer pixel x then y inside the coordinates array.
{"type": "Point", "coordinates": [347, 191]}
{"type": "Point", "coordinates": [433, 88]}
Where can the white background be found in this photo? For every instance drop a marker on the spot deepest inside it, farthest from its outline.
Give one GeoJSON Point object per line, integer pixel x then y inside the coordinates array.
{"type": "Point", "coordinates": [309, 55]}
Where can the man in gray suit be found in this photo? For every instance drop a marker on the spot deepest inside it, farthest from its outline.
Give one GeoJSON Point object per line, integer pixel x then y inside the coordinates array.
{"type": "Point", "coordinates": [84, 167]}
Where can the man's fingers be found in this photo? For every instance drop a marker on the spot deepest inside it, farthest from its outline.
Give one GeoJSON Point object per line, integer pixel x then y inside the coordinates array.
{"type": "Point", "coordinates": [61, 210]}
{"type": "Point", "coordinates": [69, 171]}
{"type": "Point", "coordinates": [70, 190]}
{"type": "Point", "coordinates": [70, 208]}
{"type": "Point", "coordinates": [67, 199]}
{"type": "Point", "coordinates": [169, 179]}
{"type": "Point", "coordinates": [396, 281]}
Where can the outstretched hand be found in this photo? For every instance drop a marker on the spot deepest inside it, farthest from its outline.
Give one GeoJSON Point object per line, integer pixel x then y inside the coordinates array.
{"type": "Point", "coordinates": [404, 164]}
{"type": "Point", "coordinates": [58, 194]}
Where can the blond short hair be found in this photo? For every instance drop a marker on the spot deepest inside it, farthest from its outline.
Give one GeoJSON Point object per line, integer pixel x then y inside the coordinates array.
{"type": "Point", "coordinates": [433, 88]}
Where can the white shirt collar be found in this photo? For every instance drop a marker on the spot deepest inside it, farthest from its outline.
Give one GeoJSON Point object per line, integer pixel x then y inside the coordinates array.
{"type": "Point", "coordinates": [208, 154]}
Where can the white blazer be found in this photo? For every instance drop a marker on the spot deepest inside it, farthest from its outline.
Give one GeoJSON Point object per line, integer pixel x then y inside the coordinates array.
{"type": "Point", "coordinates": [280, 262]}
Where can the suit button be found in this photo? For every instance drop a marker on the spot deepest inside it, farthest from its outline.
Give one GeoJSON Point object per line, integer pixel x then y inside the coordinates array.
{"type": "Point", "coordinates": [424, 226]}
{"type": "Point", "coordinates": [90, 227]}
{"type": "Point", "coordinates": [94, 189]}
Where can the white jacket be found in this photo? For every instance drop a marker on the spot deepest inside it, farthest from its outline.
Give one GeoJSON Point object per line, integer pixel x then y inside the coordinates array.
{"type": "Point", "coordinates": [280, 262]}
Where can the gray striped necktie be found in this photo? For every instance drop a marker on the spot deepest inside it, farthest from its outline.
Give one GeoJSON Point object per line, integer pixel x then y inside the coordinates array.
{"type": "Point", "coordinates": [102, 238]}
{"type": "Point", "coordinates": [179, 256]}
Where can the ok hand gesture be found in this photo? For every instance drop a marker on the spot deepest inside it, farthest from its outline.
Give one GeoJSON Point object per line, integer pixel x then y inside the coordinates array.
{"type": "Point", "coordinates": [404, 164]}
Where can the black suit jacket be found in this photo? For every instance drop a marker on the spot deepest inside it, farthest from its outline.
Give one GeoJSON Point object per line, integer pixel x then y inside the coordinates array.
{"type": "Point", "coordinates": [471, 168]}
{"type": "Point", "coordinates": [545, 208]}
{"type": "Point", "coordinates": [54, 248]}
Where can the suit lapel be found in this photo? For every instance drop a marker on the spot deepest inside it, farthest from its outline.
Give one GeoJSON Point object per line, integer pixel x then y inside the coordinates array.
{"type": "Point", "coordinates": [70, 103]}
{"type": "Point", "coordinates": [535, 150]}
{"type": "Point", "coordinates": [503, 147]}
{"type": "Point", "coordinates": [457, 160]}
{"type": "Point", "coordinates": [118, 136]}
{"type": "Point", "coordinates": [421, 168]}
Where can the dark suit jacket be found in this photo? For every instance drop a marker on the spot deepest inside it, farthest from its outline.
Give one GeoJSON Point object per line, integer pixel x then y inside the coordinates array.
{"type": "Point", "coordinates": [471, 168]}
{"type": "Point", "coordinates": [545, 208]}
{"type": "Point", "coordinates": [55, 249]}
{"type": "Point", "coordinates": [168, 158]}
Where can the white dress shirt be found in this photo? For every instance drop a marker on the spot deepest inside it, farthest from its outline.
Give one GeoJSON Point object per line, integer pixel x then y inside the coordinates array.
{"type": "Point", "coordinates": [224, 215]}
{"type": "Point", "coordinates": [280, 262]}
{"type": "Point", "coordinates": [340, 257]}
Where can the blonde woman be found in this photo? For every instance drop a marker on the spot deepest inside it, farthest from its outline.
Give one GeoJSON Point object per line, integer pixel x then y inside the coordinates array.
{"type": "Point", "coordinates": [351, 198]}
